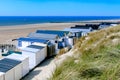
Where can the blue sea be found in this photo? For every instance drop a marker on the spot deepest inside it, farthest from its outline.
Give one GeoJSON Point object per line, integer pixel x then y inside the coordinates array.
{"type": "Point", "coordinates": [20, 20]}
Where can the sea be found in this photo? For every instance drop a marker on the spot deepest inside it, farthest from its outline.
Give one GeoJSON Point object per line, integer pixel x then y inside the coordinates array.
{"type": "Point", "coordinates": [21, 20]}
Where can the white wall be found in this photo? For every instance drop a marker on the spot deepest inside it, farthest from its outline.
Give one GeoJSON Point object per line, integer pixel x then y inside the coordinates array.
{"type": "Point", "coordinates": [24, 44]}
{"type": "Point", "coordinates": [39, 44]}
{"type": "Point", "coordinates": [113, 24]}
{"type": "Point", "coordinates": [2, 75]}
{"type": "Point", "coordinates": [70, 41]}
{"type": "Point", "coordinates": [9, 75]}
{"type": "Point", "coordinates": [18, 71]}
{"type": "Point", "coordinates": [24, 61]}
{"type": "Point", "coordinates": [35, 57]}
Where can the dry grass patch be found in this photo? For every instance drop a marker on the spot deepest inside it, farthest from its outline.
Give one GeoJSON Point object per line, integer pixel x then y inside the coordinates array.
{"type": "Point", "coordinates": [98, 60]}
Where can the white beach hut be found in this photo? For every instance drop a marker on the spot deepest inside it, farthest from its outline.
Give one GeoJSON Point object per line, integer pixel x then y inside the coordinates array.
{"type": "Point", "coordinates": [6, 73]}
{"type": "Point", "coordinates": [61, 34]}
{"type": "Point", "coordinates": [2, 75]}
{"type": "Point", "coordinates": [53, 38]}
{"type": "Point", "coordinates": [26, 41]}
{"type": "Point", "coordinates": [82, 29]}
{"type": "Point", "coordinates": [24, 61]}
{"type": "Point", "coordinates": [11, 68]}
{"type": "Point", "coordinates": [71, 40]}
{"type": "Point", "coordinates": [36, 54]}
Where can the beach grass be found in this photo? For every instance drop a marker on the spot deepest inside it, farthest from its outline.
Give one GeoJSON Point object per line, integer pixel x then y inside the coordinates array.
{"type": "Point", "coordinates": [99, 58]}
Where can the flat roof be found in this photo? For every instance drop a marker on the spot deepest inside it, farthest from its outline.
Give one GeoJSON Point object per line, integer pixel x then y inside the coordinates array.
{"type": "Point", "coordinates": [81, 27]}
{"type": "Point", "coordinates": [33, 40]}
{"type": "Point", "coordinates": [59, 33]}
{"type": "Point", "coordinates": [7, 64]}
{"type": "Point", "coordinates": [10, 62]}
{"type": "Point", "coordinates": [5, 67]}
{"type": "Point", "coordinates": [73, 30]}
{"type": "Point", "coordinates": [43, 36]}
{"type": "Point", "coordinates": [32, 48]}
{"type": "Point", "coordinates": [17, 57]}
{"type": "Point", "coordinates": [36, 47]}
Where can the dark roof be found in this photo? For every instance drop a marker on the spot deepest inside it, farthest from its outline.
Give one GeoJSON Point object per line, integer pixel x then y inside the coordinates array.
{"type": "Point", "coordinates": [87, 26]}
{"type": "Point", "coordinates": [33, 40]}
{"type": "Point", "coordinates": [93, 26]}
{"type": "Point", "coordinates": [10, 62]}
{"type": "Point", "coordinates": [108, 23]}
{"type": "Point", "coordinates": [43, 36]}
{"type": "Point", "coordinates": [35, 46]}
{"type": "Point", "coordinates": [105, 23]}
{"type": "Point", "coordinates": [7, 64]}
{"type": "Point", "coordinates": [5, 67]}
{"type": "Point", "coordinates": [82, 27]}
{"type": "Point", "coordinates": [59, 33]}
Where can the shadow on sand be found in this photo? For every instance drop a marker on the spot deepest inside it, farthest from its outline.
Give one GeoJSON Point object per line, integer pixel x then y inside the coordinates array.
{"type": "Point", "coordinates": [31, 75]}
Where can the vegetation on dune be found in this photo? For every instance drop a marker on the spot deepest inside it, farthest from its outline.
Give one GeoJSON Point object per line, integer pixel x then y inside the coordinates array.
{"type": "Point", "coordinates": [99, 58]}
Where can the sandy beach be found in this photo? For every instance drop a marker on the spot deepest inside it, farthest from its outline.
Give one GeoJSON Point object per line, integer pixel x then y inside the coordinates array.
{"type": "Point", "coordinates": [7, 33]}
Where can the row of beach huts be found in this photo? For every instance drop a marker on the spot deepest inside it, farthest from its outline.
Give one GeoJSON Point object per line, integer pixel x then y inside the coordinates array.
{"type": "Point", "coordinates": [40, 45]}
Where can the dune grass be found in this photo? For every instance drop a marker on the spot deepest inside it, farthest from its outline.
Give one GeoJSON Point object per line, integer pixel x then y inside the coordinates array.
{"type": "Point", "coordinates": [99, 59]}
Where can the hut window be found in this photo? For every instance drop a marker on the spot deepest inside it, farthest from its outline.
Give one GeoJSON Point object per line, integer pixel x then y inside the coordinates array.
{"type": "Point", "coordinates": [56, 41]}
{"type": "Point", "coordinates": [20, 43]}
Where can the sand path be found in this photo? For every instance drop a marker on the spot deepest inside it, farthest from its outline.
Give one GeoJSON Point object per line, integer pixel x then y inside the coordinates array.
{"type": "Point", "coordinates": [45, 70]}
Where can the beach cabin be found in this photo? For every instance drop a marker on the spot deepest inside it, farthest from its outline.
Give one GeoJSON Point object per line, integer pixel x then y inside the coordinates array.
{"type": "Point", "coordinates": [51, 37]}
{"type": "Point", "coordinates": [51, 46]}
{"type": "Point", "coordinates": [12, 69]}
{"type": "Point", "coordinates": [2, 76]}
{"type": "Point", "coordinates": [108, 24]}
{"type": "Point", "coordinates": [36, 54]}
{"type": "Point", "coordinates": [104, 25]}
{"type": "Point", "coordinates": [72, 40]}
{"type": "Point", "coordinates": [61, 35]}
{"type": "Point", "coordinates": [76, 33]}
{"type": "Point", "coordinates": [24, 61]}
{"type": "Point", "coordinates": [51, 49]}
{"type": "Point", "coordinates": [114, 24]}
{"type": "Point", "coordinates": [94, 26]}
{"type": "Point", "coordinates": [26, 41]}
{"type": "Point", "coordinates": [6, 72]}
{"type": "Point", "coordinates": [83, 28]}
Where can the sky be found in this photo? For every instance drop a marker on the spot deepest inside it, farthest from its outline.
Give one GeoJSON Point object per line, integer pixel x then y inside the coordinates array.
{"type": "Point", "coordinates": [59, 7]}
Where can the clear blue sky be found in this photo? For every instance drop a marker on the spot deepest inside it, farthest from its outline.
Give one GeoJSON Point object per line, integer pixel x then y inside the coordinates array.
{"type": "Point", "coordinates": [59, 7]}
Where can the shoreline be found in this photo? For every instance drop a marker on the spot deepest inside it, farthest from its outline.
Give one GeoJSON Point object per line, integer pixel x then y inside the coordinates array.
{"type": "Point", "coordinates": [82, 21]}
